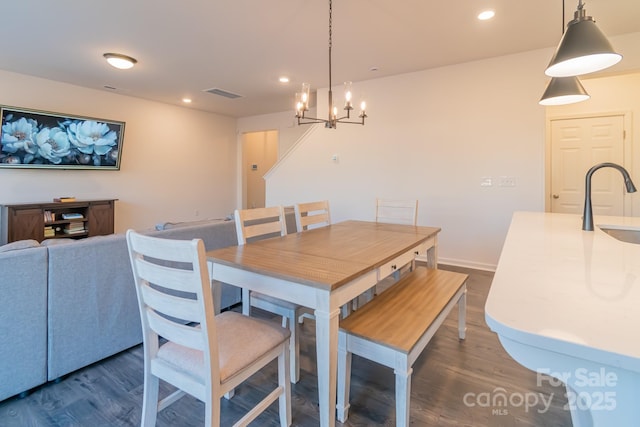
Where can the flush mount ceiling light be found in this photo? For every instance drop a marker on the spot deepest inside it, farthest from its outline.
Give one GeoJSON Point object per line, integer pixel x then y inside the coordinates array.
{"type": "Point", "coordinates": [302, 98]}
{"type": "Point", "coordinates": [122, 62]}
{"type": "Point", "coordinates": [583, 48]}
{"type": "Point", "coordinates": [485, 15]}
{"type": "Point", "coordinates": [564, 90]}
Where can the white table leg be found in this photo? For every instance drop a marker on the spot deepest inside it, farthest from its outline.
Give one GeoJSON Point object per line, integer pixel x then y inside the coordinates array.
{"type": "Point", "coordinates": [344, 378]}
{"type": "Point", "coordinates": [327, 359]}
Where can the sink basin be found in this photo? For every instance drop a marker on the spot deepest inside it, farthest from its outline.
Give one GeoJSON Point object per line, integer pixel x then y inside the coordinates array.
{"type": "Point", "coordinates": [622, 233]}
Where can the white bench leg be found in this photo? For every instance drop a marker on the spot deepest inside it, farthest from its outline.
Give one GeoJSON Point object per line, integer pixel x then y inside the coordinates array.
{"type": "Point", "coordinates": [403, 396]}
{"type": "Point", "coordinates": [344, 379]}
{"type": "Point", "coordinates": [462, 315]}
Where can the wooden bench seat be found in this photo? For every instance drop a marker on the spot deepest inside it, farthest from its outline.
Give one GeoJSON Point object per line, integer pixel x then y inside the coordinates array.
{"type": "Point", "coordinates": [395, 327]}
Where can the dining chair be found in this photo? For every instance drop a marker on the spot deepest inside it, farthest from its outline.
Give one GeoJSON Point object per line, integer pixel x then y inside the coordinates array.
{"type": "Point", "coordinates": [399, 212]}
{"type": "Point", "coordinates": [256, 224]}
{"type": "Point", "coordinates": [200, 354]}
{"type": "Point", "coordinates": [312, 215]}
{"type": "Point", "coordinates": [309, 216]}
{"type": "Point", "coordinates": [391, 211]}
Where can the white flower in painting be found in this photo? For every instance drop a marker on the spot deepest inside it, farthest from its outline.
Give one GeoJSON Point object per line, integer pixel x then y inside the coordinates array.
{"type": "Point", "coordinates": [18, 136]}
{"type": "Point", "coordinates": [53, 144]}
{"type": "Point", "coordinates": [92, 137]}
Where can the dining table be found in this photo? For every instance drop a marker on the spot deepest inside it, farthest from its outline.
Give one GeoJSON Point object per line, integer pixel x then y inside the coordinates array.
{"type": "Point", "coordinates": [323, 269]}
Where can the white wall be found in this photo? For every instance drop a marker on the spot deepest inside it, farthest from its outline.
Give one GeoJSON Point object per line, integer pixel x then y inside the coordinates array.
{"type": "Point", "coordinates": [435, 135]}
{"type": "Point", "coordinates": [177, 163]}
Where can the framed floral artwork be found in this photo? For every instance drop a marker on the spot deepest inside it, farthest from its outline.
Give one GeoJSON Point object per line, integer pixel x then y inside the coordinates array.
{"type": "Point", "coordinates": [39, 139]}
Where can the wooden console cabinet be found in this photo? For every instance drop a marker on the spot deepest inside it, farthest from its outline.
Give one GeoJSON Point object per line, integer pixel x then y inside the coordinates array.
{"type": "Point", "coordinates": [53, 220]}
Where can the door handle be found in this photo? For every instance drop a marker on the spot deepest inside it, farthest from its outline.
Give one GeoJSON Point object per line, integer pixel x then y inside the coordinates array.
{"type": "Point", "coordinates": [555, 196]}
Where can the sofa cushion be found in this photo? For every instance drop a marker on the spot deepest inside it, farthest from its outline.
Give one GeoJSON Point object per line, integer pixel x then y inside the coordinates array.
{"type": "Point", "coordinates": [20, 244]}
{"type": "Point", "coordinates": [61, 241]}
{"type": "Point", "coordinates": [170, 225]}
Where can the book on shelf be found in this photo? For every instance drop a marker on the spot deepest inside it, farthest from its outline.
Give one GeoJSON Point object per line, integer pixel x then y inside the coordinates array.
{"type": "Point", "coordinates": [74, 227]}
{"type": "Point", "coordinates": [64, 199]}
{"type": "Point", "coordinates": [78, 231]}
{"type": "Point", "coordinates": [49, 216]}
{"type": "Point", "coordinates": [72, 215]}
{"type": "Point", "coordinates": [49, 231]}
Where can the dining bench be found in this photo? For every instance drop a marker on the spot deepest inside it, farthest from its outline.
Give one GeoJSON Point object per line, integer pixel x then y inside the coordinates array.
{"type": "Point", "coordinates": [395, 327]}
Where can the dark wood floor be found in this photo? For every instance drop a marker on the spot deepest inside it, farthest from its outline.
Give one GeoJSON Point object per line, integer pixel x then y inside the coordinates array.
{"type": "Point", "coordinates": [455, 383]}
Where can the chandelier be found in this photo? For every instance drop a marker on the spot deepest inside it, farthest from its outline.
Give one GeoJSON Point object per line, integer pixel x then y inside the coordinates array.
{"type": "Point", "coordinates": [302, 98]}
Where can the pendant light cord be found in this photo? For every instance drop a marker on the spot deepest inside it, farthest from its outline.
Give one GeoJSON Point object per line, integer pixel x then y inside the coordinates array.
{"type": "Point", "coordinates": [330, 45]}
{"type": "Point", "coordinates": [563, 17]}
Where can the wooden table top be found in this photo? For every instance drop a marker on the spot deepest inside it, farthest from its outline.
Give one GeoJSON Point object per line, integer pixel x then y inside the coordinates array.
{"type": "Point", "coordinates": [326, 257]}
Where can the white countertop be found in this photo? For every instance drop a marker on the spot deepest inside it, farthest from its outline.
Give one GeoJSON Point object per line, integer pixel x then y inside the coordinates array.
{"type": "Point", "coordinates": [570, 291]}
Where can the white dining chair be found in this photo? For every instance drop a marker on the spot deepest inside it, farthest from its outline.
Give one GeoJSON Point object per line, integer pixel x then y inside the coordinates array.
{"type": "Point", "coordinates": [399, 212]}
{"type": "Point", "coordinates": [312, 215]}
{"type": "Point", "coordinates": [200, 354]}
{"type": "Point", "coordinates": [256, 224]}
{"type": "Point", "coordinates": [393, 211]}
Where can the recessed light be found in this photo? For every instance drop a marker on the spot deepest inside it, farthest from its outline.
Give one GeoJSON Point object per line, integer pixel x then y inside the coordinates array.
{"type": "Point", "coordinates": [186, 100]}
{"type": "Point", "coordinates": [284, 79]}
{"type": "Point", "coordinates": [487, 14]}
{"type": "Point", "coordinates": [122, 62]}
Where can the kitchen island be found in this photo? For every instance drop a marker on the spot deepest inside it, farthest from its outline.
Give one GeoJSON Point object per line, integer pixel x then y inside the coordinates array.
{"type": "Point", "coordinates": [565, 303]}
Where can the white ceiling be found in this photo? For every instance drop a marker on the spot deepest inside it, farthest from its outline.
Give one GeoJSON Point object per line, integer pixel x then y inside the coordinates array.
{"type": "Point", "coordinates": [243, 46]}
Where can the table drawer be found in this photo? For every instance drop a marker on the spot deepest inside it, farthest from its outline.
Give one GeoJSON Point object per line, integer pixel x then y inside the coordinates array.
{"type": "Point", "coordinates": [422, 248]}
{"type": "Point", "coordinates": [395, 264]}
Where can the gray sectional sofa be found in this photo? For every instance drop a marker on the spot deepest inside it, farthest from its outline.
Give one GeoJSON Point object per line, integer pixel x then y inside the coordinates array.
{"type": "Point", "coordinates": [65, 304]}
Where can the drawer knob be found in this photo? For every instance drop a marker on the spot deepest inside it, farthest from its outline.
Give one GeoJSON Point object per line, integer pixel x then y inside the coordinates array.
{"type": "Point", "coordinates": [393, 267]}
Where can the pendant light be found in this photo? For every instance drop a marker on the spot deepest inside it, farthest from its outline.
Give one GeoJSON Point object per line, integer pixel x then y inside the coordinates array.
{"type": "Point", "coordinates": [564, 90]}
{"type": "Point", "coordinates": [583, 48]}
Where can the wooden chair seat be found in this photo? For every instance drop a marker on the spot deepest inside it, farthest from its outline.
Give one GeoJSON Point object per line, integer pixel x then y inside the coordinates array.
{"type": "Point", "coordinates": [395, 327]}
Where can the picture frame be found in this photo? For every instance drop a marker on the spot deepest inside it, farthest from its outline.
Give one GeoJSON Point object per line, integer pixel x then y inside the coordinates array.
{"type": "Point", "coordinates": [34, 139]}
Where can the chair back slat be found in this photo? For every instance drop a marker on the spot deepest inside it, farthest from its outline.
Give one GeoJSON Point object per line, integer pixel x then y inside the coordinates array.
{"type": "Point", "coordinates": [185, 335]}
{"type": "Point", "coordinates": [397, 211]}
{"type": "Point", "coordinates": [188, 310]}
{"type": "Point", "coordinates": [168, 277]}
{"type": "Point", "coordinates": [312, 215]}
{"type": "Point", "coordinates": [253, 224]}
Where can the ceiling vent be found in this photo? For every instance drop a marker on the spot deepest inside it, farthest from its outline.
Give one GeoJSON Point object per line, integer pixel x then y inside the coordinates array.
{"type": "Point", "coordinates": [225, 93]}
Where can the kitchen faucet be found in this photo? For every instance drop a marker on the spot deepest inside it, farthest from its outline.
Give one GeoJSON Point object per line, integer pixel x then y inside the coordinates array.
{"type": "Point", "coordinates": [587, 216]}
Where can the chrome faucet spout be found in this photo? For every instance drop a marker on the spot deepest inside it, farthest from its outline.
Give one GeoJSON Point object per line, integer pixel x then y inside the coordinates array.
{"type": "Point", "coordinates": [587, 215]}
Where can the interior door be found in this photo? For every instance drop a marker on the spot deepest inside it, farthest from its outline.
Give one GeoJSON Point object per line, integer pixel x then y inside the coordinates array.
{"type": "Point", "coordinates": [576, 145]}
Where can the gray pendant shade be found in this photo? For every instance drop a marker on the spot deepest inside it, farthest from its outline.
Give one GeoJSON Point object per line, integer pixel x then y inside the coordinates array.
{"type": "Point", "coordinates": [583, 49]}
{"type": "Point", "coordinates": [564, 90]}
